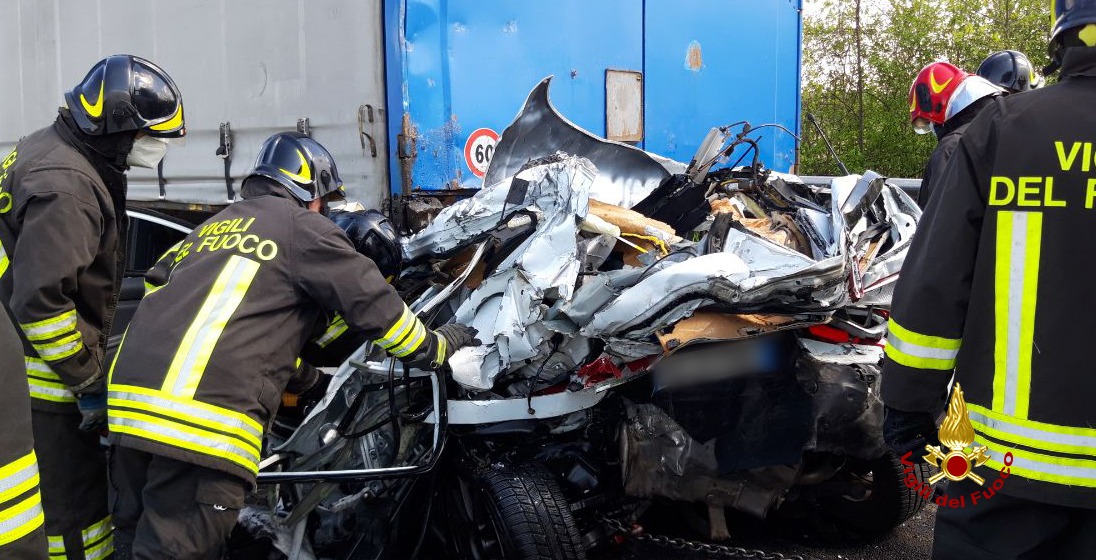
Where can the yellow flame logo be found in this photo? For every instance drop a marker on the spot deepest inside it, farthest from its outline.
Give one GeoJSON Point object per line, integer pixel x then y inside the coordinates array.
{"type": "Point", "coordinates": [956, 433]}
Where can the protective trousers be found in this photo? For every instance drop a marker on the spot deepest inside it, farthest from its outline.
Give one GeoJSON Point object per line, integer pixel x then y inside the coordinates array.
{"type": "Point", "coordinates": [1005, 527]}
{"type": "Point", "coordinates": [74, 487]}
{"type": "Point", "coordinates": [169, 509]}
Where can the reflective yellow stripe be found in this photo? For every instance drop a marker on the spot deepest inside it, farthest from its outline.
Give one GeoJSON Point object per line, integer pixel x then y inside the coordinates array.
{"type": "Point", "coordinates": [20, 519]}
{"type": "Point", "coordinates": [908, 360]}
{"type": "Point", "coordinates": [4, 260]}
{"type": "Point", "coordinates": [175, 121]}
{"type": "Point", "coordinates": [1039, 466]}
{"type": "Point", "coordinates": [18, 476]}
{"type": "Point", "coordinates": [922, 351]}
{"type": "Point", "coordinates": [151, 288]}
{"type": "Point", "coordinates": [61, 348]}
{"type": "Point", "coordinates": [189, 439]}
{"type": "Point", "coordinates": [198, 436]}
{"type": "Point", "coordinates": [936, 342]}
{"type": "Point", "coordinates": [1016, 285]}
{"type": "Point", "coordinates": [202, 414]}
{"type": "Point", "coordinates": [405, 323]}
{"type": "Point", "coordinates": [440, 357]}
{"type": "Point", "coordinates": [201, 338]}
{"type": "Point", "coordinates": [411, 343]}
{"type": "Point", "coordinates": [98, 540]}
{"type": "Point", "coordinates": [118, 352]}
{"type": "Point", "coordinates": [50, 328]}
{"type": "Point", "coordinates": [1029, 433]}
{"type": "Point", "coordinates": [44, 383]}
{"type": "Point", "coordinates": [101, 550]}
{"type": "Point", "coordinates": [336, 329]}
{"type": "Point", "coordinates": [57, 547]}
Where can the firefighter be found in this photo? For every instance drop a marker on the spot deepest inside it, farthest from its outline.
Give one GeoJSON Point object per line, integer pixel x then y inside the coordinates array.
{"type": "Point", "coordinates": [1010, 70]}
{"type": "Point", "coordinates": [22, 535]}
{"type": "Point", "coordinates": [373, 236]}
{"type": "Point", "coordinates": [997, 289]}
{"type": "Point", "coordinates": [211, 348]}
{"type": "Point", "coordinates": [62, 254]}
{"type": "Point", "coordinates": [944, 99]}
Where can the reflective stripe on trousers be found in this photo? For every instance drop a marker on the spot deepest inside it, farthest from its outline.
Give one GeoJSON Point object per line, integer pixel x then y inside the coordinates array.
{"type": "Point", "coordinates": [57, 547]}
{"type": "Point", "coordinates": [44, 383]}
{"type": "Point", "coordinates": [97, 541]}
{"type": "Point", "coordinates": [20, 499]}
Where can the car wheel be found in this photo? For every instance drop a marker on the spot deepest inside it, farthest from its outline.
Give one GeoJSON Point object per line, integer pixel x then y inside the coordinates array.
{"type": "Point", "coordinates": [874, 497]}
{"type": "Point", "coordinates": [511, 512]}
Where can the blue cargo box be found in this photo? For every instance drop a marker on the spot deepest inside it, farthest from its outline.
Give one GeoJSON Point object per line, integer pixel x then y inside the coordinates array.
{"type": "Point", "coordinates": [458, 71]}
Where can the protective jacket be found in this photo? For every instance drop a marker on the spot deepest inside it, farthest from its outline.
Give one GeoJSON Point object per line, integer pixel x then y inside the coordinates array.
{"type": "Point", "coordinates": [998, 287]}
{"type": "Point", "coordinates": [948, 138]}
{"type": "Point", "coordinates": [202, 366]}
{"type": "Point", "coordinates": [21, 534]}
{"type": "Point", "coordinates": [62, 214]}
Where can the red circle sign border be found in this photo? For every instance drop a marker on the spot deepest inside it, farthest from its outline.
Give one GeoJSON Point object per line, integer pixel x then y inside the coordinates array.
{"type": "Point", "coordinates": [476, 134]}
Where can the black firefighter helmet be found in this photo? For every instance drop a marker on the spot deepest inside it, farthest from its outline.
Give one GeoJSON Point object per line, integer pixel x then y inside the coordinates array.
{"type": "Point", "coordinates": [1070, 15]}
{"type": "Point", "coordinates": [301, 165]}
{"type": "Point", "coordinates": [125, 92]}
{"type": "Point", "coordinates": [1011, 70]}
{"type": "Point", "coordinates": [373, 236]}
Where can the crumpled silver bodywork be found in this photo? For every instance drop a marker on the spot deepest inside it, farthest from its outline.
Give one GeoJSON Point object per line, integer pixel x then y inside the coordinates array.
{"type": "Point", "coordinates": [536, 292]}
{"type": "Point", "coordinates": [625, 174]}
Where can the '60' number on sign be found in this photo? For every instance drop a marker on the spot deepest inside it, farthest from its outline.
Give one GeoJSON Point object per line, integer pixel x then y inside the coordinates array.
{"type": "Point", "coordinates": [479, 149]}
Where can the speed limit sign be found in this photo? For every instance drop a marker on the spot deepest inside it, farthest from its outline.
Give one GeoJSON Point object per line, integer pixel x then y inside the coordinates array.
{"type": "Point", "coordinates": [478, 150]}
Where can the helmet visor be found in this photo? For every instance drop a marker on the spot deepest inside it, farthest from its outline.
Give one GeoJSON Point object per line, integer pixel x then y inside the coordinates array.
{"type": "Point", "coordinates": [921, 125]}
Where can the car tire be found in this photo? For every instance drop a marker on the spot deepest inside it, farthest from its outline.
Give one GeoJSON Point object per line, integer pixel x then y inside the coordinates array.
{"type": "Point", "coordinates": [516, 512]}
{"type": "Point", "coordinates": [888, 500]}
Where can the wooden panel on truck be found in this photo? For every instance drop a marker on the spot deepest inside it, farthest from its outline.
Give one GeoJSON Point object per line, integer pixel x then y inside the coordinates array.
{"type": "Point", "coordinates": [260, 65]}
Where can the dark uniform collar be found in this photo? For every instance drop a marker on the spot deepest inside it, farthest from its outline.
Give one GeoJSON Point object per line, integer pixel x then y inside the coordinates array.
{"type": "Point", "coordinates": [111, 150]}
{"type": "Point", "coordinates": [107, 154]}
{"type": "Point", "coordinates": [1078, 62]}
{"type": "Point", "coordinates": [255, 186]}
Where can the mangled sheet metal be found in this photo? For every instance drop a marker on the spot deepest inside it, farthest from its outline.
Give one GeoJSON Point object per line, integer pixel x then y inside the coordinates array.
{"type": "Point", "coordinates": [585, 267]}
{"type": "Point", "coordinates": [625, 174]}
{"type": "Point", "coordinates": [508, 307]}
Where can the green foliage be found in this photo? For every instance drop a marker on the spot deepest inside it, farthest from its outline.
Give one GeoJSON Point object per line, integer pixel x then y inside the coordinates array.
{"type": "Point", "coordinates": [869, 125]}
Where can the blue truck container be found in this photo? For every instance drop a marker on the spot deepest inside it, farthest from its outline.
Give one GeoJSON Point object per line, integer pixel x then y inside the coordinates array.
{"type": "Point", "coordinates": [395, 89]}
{"type": "Point", "coordinates": [455, 67]}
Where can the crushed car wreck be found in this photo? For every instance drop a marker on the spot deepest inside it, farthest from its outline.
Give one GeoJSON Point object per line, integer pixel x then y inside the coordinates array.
{"type": "Point", "coordinates": [651, 330]}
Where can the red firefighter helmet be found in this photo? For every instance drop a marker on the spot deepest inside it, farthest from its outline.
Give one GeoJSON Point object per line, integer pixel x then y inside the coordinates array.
{"type": "Point", "coordinates": [930, 93]}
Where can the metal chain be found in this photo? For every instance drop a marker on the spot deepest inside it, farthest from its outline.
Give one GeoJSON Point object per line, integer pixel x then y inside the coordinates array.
{"type": "Point", "coordinates": [617, 526]}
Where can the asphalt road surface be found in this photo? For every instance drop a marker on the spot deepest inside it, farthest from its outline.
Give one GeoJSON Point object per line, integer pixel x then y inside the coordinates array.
{"type": "Point", "coordinates": [910, 540]}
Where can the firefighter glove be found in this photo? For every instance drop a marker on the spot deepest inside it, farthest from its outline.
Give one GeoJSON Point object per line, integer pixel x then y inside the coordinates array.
{"type": "Point", "coordinates": [906, 432]}
{"type": "Point", "coordinates": [92, 403]}
{"type": "Point", "coordinates": [93, 409]}
{"type": "Point", "coordinates": [453, 337]}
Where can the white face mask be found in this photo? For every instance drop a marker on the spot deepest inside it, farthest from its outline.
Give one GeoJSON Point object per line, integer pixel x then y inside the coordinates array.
{"type": "Point", "coordinates": [147, 152]}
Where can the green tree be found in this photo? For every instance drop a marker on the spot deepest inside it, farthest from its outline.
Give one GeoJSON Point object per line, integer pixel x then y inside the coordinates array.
{"type": "Point", "coordinates": [860, 56]}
